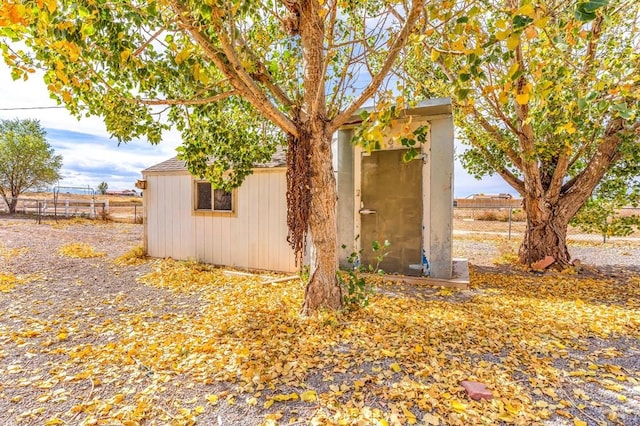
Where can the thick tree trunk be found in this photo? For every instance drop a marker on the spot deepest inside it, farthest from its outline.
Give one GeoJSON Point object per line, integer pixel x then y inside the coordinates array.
{"type": "Point", "coordinates": [547, 238]}
{"type": "Point", "coordinates": [546, 232]}
{"type": "Point", "coordinates": [323, 289]}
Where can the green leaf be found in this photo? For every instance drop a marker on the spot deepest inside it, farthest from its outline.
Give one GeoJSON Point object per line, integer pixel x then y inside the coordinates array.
{"type": "Point", "coordinates": [586, 11]}
{"type": "Point", "coordinates": [520, 21]}
{"type": "Point", "coordinates": [582, 104]}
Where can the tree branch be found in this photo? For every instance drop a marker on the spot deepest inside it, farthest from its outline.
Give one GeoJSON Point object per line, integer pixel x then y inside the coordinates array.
{"type": "Point", "coordinates": [377, 80]}
{"type": "Point", "coordinates": [577, 190]}
{"type": "Point", "coordinates": [238, 77]}
{"type": "Point", "coordinates": [201, 101]}
{"type": "Point", "coordinates": [148, 42]}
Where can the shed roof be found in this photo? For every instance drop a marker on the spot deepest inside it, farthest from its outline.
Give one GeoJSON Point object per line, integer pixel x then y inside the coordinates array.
{"type": "Point", "coordinates": [426, 109]}
{"type": "Point", "coordinates": [173, 164]}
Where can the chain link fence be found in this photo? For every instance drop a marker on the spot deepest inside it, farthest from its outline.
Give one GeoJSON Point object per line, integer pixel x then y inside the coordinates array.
{"type": "Point", "coordinates": [510, 222]}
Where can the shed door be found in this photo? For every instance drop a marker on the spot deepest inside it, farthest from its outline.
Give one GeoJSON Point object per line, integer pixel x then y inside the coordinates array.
{"type": "Point", "coordinates": [391, 192]}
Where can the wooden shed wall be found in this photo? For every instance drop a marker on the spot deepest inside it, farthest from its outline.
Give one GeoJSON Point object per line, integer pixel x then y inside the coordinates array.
{"type": "Point", "coordinates": [255, 237]}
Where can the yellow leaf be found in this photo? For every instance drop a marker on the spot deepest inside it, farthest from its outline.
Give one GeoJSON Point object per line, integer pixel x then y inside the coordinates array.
{"type": "Point", "coordinates": [526, 10]}
{"type": "Point", "coordinates": [252, 401]}
{"type": "Point", "coordinates": [577, 422]}
{"type": "Point", "coordinates": [511, 409]}
{"type": "Point", "coordinates": [458, 406]}
{"type": "Point", "coordinates": [199, 409]}
{"type": "Point", "coordinates": [268, 403]}
{"type": "Point", "coordinates": [124, 55]}
{"type": "Point", "coordinates": [434, 55]}
{"type": "Point", "coordinates": [501, 35]}
{"type": "Point", "coordinates": [54, 421]}
{"type": "Point", "coordinates": [513, 42]}
{"type": "Point", "coordinates": [62, 336]}
{"type": "Point", "coordinates": [309, 396]}
{"type": "Point", "coordinates": [213, 399]}
{"type": "Point", "coordinates": [417, 349]}
{"type": "Point", "coordinates": [512, 71]}
{"type": "Point", "coordinates": [52, 5]}
{"type": "Point", "coordinates": [542, 22]}
{"type": "Point", "coordinates": [411, 418]}
{"type": "Point", "coordinates": [396, 367]}
{"type": "Point", "coordinates": [621, 398]}
{"type": "Point", "coordinates": [522, 98]}
{"type": "Point", "coordinates": [196, 71]}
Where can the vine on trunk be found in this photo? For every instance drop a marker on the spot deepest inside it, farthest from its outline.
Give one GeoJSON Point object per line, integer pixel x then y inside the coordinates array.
{"type": "Point", "coordinates": [298, 194]}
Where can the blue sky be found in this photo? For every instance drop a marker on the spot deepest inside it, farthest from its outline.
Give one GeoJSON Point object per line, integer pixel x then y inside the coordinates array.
{"type": "Point", "coordinates": [90, 156]}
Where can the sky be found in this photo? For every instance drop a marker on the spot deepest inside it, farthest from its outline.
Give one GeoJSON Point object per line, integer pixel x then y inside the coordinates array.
{"type": "Point", "coordinates": [90, 156]}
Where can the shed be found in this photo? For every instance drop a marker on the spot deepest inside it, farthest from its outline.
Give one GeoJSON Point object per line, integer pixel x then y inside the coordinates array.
{"type": "Point", "coordinates": [185, 218]}
{"type": "Point", "coordinates": [380, 197]}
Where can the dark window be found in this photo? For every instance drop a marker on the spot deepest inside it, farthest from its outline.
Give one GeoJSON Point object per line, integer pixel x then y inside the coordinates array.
{"type": "Point", "coordinates": [203, 201]}
{"type": "Point", "coordinates": [222, 201]}
{"type": "Point", "coordinates": [217, 200]}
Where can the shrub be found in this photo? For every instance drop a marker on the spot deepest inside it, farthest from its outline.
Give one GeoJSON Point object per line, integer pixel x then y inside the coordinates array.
{"type": "Point", "coordinates": [355, 288]}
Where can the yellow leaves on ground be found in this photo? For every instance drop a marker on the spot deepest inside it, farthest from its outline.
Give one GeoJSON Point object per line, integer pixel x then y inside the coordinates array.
{"type": "Point", "coordinates": [79, 250]}
{"type": "Point", "coordinates": [135, 256]}
{"type": "Point", "coordinates": [9, 253]}
{"type": "Point", "coordinates": [223, 343]}
{"type": "Point", "coordinates": [8, 282]}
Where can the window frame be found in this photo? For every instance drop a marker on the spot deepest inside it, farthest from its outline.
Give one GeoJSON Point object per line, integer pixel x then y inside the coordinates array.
{"type": "Point", "coordinates": [212, 211]}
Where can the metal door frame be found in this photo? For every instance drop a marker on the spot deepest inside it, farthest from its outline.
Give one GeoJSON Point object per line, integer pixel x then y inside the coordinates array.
{"type": "Point", "coordinates": [426, 193]}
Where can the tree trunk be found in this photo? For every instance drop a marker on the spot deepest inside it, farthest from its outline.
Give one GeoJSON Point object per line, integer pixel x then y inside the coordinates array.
{"type": "Point", "coordinates": [12, 203]}
{"type": "Point", "coordinates": [323, 289]}
{"type": "Point", "coordinates": [546, 232]}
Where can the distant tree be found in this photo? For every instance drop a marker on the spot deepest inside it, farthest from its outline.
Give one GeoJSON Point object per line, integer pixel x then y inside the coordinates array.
{"type": "Point", "coordinates": [27, 161]}
{"type": "Point", "coordinates": [103, 187]}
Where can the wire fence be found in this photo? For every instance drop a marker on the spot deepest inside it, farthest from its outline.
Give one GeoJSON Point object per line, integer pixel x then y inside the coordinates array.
{"type": "Point", "coordinates": [68, 208]}
{"type": "Point", "coordinates": [510, 222]}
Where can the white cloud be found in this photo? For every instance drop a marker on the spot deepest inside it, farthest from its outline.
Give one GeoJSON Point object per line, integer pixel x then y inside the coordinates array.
{"type": "Point", "coordinates": [86, 161]}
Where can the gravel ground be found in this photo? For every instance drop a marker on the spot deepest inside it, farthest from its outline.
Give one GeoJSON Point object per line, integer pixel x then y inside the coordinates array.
{"type": "Point", "coordinates": [81, 292]}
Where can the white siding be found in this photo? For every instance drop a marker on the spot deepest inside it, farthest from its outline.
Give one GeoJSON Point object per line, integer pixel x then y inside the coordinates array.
{"type": "Point", "coordinates": [254, 237]}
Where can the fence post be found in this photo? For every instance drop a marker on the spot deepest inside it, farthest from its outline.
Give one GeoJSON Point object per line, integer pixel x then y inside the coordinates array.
{"type": "Point", "coordinates": [92, 209]}
{"type": "Point", "coordinates": [510, 209]}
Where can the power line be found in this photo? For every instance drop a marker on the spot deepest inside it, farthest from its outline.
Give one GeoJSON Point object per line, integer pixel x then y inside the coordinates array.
{"type": "Point", "coordinates": [26, 108]}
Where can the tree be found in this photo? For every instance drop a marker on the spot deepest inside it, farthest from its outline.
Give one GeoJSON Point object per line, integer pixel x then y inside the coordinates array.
{"type": "Point", "coordinates": [548, 97]}
{"type": "Point", "coordinates": [27, 161]}
{"type": "Point", "coordinates": [103, 187]}
{"type": "Point", "coordinates": [230, 73]}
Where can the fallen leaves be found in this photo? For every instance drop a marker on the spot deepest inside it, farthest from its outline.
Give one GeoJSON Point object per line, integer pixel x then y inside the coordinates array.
{"type": "Point", "coordinates": [79, 250]}
{"type": "Point", "coordinates": [227, 343]}
{"type": "Point", "coordinates": [135, 256]}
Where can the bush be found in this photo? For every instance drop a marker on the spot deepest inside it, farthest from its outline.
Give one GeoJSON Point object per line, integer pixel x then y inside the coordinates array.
{"type": "Point", "coordinates": [355, 288]}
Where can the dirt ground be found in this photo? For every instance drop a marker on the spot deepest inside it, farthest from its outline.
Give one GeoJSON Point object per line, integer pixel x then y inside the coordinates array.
{"type": "Point", "coordinates": [72, 332]}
